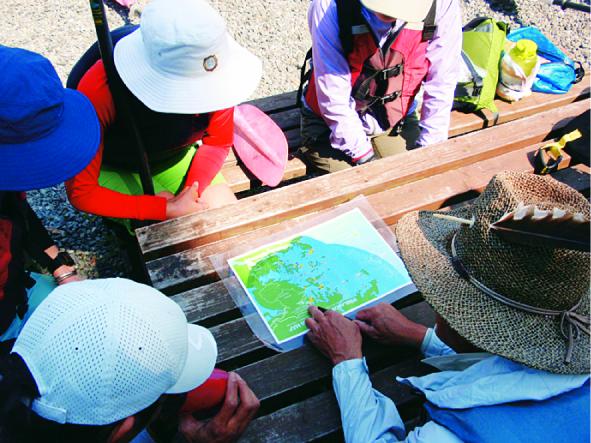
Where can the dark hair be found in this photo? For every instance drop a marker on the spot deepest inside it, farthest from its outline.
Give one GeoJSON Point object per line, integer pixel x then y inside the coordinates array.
{"type": "Point", "coordinates": [19, 424]}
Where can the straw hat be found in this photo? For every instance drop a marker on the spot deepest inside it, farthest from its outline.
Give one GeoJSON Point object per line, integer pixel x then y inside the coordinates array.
{"type": "Point", "coordinates": [183, 61]}
{"type": "Point", "coordinates": [526, 303]}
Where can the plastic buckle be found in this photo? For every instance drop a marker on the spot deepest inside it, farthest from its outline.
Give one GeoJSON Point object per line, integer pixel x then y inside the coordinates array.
{"type": "Point", "coordinates": [390, 98]}
{"type": "Point", "coordinates": [428, 32]}
{"type": "Point", "coordinates": [397, 129]}
{"type": "Point", "coordinates": [394, 71]}
{"type": "Point", "coordinates": [553, 152]}
{"type": "Point", "coordinates": [544, 163]}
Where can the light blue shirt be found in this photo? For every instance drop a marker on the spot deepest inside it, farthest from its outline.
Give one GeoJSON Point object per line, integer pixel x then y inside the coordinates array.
{"type": "Point", "coordinates": [369, 416]}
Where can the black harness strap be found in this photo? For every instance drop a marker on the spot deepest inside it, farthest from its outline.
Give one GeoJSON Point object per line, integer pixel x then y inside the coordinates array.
{"type": "Point", "coordinates": [429, 26]}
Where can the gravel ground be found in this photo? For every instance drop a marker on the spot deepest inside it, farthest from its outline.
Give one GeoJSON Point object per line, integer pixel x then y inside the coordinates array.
{"type": "Point", "coordinates": [275, 30]}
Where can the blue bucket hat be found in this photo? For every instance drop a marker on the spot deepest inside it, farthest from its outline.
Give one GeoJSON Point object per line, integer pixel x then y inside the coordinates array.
{"type": "Point", "coordinates": [47, 133]}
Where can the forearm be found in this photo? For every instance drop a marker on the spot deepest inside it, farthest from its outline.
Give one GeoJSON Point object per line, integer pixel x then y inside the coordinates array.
{"type": "Point", "coordinates": [367, 415]}
{"type": "Point", "coordinates": [206, 164]}
{"type": "Point", "coordinates": [98, 200]}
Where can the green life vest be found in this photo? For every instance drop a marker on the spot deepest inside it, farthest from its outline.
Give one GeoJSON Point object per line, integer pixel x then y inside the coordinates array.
{"type": "Point", "coordinates": [482, 45]}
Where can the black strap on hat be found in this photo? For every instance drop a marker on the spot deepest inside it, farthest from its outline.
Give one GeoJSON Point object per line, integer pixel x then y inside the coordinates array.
{"type": "Point", "coordinates": [571, 322]}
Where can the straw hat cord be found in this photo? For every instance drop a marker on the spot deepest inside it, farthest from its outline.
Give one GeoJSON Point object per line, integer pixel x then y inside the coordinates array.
{"type": "Point", "coordinates": [571, 322]}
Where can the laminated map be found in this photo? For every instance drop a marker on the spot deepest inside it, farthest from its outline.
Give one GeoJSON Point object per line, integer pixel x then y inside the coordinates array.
{"type": "Point", "coordinates": [341, 264]}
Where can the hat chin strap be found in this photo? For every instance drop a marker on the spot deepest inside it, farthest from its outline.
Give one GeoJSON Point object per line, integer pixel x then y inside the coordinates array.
{"type": "Point", "coordinates": [571, 322]}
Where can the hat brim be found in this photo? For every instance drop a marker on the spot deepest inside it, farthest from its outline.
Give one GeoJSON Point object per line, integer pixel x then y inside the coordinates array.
{"type": "Point", "coordinates": [57, 157]}
{"type": "Point", "coordinates": [533, 340]}
{"type": "Point", "coordinates": [414, 11]}
{"type": "Point", "coordinates": [202, 354]}
{"type": "Point", "coordinates": [228, 85]}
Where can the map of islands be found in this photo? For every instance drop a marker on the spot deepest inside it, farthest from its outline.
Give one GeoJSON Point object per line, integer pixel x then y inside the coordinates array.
{"type": "Point", "coordinates": [341, 264]}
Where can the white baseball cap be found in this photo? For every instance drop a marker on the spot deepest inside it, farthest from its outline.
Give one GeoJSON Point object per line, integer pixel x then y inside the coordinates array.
{"type": "Point", "coordinates": [183, 61]}
{"type": "Point", "coordinates": [413, 11]}
{"type": "Point", "coordinates": [102, 350]}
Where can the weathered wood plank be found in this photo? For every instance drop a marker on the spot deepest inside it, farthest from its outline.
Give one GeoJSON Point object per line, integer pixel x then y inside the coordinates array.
{"type": "Point", "coordinates": [211, 300]}
{"type": "Point", "coordinates": [537, 102]}
{"type": "Point", "coordinates": [429, 193]}
{"type": "Point", "coordinates": [306, 365]}
{"type": "Point", "coordinates": [332, 189]}
{"type": "Point", "coordinates": [460, 123]}
{"type": "Point", "coordinates": [319, 416]}
{"type": "Point", "coordinates": [204, 302]}
{"type": "Point", "coordinates": [275, 102]}
{"type": "Point", "coordinates": [241, 180]}
{"type": "Point", "coordinates": [235, 338]}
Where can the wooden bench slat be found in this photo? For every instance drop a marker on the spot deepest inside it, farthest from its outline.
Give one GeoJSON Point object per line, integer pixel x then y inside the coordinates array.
{"type": "Point", "coordinates": [537, 102]}
{"type": "Point", "coordinates": [205, 302]}
{"type": "Point", "coordinates": [235, 337]}
{"type": "Point", "coordinates": [306, 365]}
{"type": "Point", "coordinates": [460, 122]}
{"type": "Point", "coordinates": [274, 102]}
{"type": "Point", "coordinates": [391, 204]}
{"type": "Point", "coordinates": [239, 180]}
{"type": "Point", "coordinates": [319, 416]}
{"type": "Point", "coordinates": [332, 189]}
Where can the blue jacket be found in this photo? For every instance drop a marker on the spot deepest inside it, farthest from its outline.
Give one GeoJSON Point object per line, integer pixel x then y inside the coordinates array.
{"type": "Point", "coordinates": [369, 416]}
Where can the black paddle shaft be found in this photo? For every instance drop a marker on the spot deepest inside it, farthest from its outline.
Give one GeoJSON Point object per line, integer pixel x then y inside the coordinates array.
{"type": "Point", "coordinates": [567, 4]}
{"type": "Point", "coordinates": [117, 90]}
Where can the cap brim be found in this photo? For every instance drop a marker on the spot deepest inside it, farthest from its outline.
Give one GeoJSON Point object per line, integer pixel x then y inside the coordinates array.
{"type": "Point", "coordinates": [202, 353]}
{"type": "Point", "coordinates": [414, 11]}
{"type": "Point", "coordinates": [56, 157]}
{"type": "Point", "coordinates": [228, 85]}
{"type": "Point", "coordinates": [527, 338]}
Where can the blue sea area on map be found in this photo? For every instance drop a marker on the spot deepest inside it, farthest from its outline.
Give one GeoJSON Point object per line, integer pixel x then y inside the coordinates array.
{"type": "Point", "coordinates": [310, 271]}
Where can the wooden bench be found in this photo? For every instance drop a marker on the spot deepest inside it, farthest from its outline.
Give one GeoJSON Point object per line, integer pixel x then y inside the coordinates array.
{"type": "Point", "coordinates": [295, 387]}
{"type": "Point", "coordinates": [282, 109]}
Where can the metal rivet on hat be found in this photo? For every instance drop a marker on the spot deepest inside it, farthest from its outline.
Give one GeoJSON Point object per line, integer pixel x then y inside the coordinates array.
{"type": "Point", "coordinates": [210, 63]}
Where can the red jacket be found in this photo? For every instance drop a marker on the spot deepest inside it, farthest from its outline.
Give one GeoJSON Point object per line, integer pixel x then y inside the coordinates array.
{"type": "Point", "coordinates": [84, 191]}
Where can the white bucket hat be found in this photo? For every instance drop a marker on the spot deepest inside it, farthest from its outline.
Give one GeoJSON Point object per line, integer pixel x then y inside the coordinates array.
{"type": "Point", "coordinates": [413, 11]}
{"type": "Point", "coordinates": [183, 61]}
{"type": "Point", "coordinates": [102, 350]}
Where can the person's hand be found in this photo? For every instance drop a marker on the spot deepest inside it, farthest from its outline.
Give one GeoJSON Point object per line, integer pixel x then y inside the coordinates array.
{"type": "Point", "coordinates": [387, 325]}
{"type": "Point", "coordinates": [239, 408]}
{"type": "Point", "coordinates": [166, 194]}
{"type": "Point", "coordinates": [185, 203]}
{"type": "Point", "coordinates": [334, 335]}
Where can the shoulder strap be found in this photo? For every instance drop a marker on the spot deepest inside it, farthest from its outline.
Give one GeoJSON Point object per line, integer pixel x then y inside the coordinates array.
{"type": "Point", "coordinates": [305, 74]}
{"type": "Point", "coordinates": [474, 23]}
{"type": "Point", "coordinates": [349, 15]}
{"type": "Point", "coordinates": [429, 26]}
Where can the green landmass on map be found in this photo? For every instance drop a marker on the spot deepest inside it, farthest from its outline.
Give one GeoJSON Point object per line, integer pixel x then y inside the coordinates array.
{"type": "Point", "coordinates": [285, 278]}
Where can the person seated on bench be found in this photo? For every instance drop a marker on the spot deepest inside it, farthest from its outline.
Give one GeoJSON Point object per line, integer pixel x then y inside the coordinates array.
{"type": "Point", "coordinates": [358, 107]}
{"type": "Point", "coordinates": [99, 359]}
{"type": "Point", "coordinates": [47, 134]}
{"type": "Point", "coordinates": [525, 304]}
{"type": "Point", "coordinates": [182, 75]}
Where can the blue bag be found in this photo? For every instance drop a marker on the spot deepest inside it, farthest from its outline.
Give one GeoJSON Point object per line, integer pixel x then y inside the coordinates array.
{"type": "Point", "coordinates": [560, 73]}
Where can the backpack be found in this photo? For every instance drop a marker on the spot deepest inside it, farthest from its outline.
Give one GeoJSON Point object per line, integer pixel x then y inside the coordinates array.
{"type": "Point", "coordinates": [558, 72]}
{"type": "Point", "coordinates": [483, 40]}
